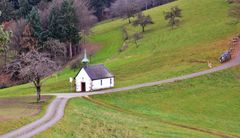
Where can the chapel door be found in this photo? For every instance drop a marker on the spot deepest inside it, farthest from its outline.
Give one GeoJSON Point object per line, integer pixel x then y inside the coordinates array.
{"type": "Point", "coordinates": [83, 86]}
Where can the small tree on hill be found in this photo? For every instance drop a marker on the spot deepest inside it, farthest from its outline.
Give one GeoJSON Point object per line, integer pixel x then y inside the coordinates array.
{"type": "Point", "coordinates": [142, 21]}
{"type": "Point", "coordinates": [136, 37]}
{"type": "Point", "coordinates": [125, 34]}
{"type": "Point", "coordinates": [173, 16]}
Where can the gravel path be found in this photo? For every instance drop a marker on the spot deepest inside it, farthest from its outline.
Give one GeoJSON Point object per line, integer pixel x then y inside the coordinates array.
{"type": "Point", "coordinates": [55, 110]}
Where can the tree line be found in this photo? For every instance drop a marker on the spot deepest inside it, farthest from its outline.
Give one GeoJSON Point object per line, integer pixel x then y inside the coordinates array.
{"type": "Point", "coordinates": [15, 9]}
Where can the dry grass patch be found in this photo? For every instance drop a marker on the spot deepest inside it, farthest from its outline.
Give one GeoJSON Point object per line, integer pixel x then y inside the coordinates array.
{"type": "Point", "coordinates": [17, 111]}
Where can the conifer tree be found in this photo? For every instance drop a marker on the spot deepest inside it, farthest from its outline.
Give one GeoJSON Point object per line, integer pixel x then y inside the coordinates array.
{"type": "Point", "coordinates": [34, 20]}
{"type": "Point", "coordinates": [25, 8]}
{"type": "Point", "coordinates": [63, 25]}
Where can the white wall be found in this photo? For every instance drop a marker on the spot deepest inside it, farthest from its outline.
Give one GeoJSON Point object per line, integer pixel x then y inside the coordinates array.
{"type": "Point", "coordinates": [92, 85]}
{"type": "Point", "coordinates": [105, 84]}
{"type": "Point", "coordinates": [83, 77]}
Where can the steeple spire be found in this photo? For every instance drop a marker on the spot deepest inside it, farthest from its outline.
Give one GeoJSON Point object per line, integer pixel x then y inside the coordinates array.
{"type": "Point", "coordinates": [85, 60]}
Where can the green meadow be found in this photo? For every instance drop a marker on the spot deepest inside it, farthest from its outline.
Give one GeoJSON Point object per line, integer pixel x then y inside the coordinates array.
{"type": "Point", "coordinates": [202, 36]}
{"type": "Point", "coordinates": [93, 120]}
{"type": "Point", "coordinates": [210, 102]}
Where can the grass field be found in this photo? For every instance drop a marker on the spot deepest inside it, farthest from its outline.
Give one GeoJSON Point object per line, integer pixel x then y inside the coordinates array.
{"type": "Point", "coordinates": [211, 102]}
{"type": "Point", "coordinates": [204, 33]}
{"type": "Point", "coordinates": [18, 111]}
{"type": "Point", "coordinates": [97, 121]}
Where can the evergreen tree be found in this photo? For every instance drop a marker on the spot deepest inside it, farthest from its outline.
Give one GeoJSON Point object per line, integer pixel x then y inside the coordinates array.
{"type": "Point", "coordinates": [69, 33]}
{"type": "Point", "coordinates": [54, 26]}
{"type": "Point", "coordinates": [25, 8]}
{"type": "Point", "coordinates": [15, 4]}
{"type": "Point", "coordinates": [34, 2]}
{"type": "Point", "coordinates": [7, 11]}
{"type": "Point", "coordinates": [69, 30]}
{"type": "Point", "coordinates": [63, 25]}
{"type": "Point", "coordinates": [34, 20]}
{"type": "Point", "coordinates": [99, 5]}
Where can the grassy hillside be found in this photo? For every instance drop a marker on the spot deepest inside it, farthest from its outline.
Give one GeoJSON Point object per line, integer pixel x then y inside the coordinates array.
{"type": "Point", "coordinates": [163, 52]}
{"type": "Point", "coordinates": [210, 102]}
{"type": "Point", "coordinates": [97, 121]}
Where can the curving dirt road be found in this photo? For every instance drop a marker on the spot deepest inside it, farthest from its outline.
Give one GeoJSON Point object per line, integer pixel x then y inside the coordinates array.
{"type": "Point", "coordinates": [55, 110]}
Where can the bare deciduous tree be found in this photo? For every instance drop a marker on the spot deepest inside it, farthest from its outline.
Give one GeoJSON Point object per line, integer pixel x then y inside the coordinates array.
{"type": "Point", "coordinates": [17, 28]}
{"type": "Point", "coordinates": [125, 34]}
{"type": "Point", "coordinates": [37, 66]}
{"type": "Point", "coordinates": [136, 37]}
{"type": "Point", "coordinates": [173, 16]}
{"type": "Point", "coordinates": [142, 21]}
{"type": "Point", "coordinates": [27, 41]}
{"type": "Point", "coordinates": [55, 48]}
{"type": "Point", "coordinates": [84, 15]}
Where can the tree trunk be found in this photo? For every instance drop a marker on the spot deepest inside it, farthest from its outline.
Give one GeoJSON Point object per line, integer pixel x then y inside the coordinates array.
{"type": "Point", "coordinates": [173, 23]}
{"type": "Point", "coordinates": [70, 50]}
{"type": "Point", "coordinates": [38, 93]}
{"type": "Point", "coordinates": [75, 51]}
{"type": "Point", "coordinates": [129, 20]}
{"type": "Point", "coordinates": [136, 43]}
{"type": "Point", "coordinates": [143, 28]}
{"type": "Point", "coordinates": [5, 58]}
{"type": "Point", "coordinates": [78, 49]}
{"type": "Point", "coordinates": [37, 84]}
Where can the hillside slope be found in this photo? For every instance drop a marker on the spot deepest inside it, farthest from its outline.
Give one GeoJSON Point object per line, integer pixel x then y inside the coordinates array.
{"type": "Point", "coordinates": [207, 106]}
{"type": "Point", "coordinates": [203, 34]}
{"type": "Point", "coordinates": [163, 52]}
